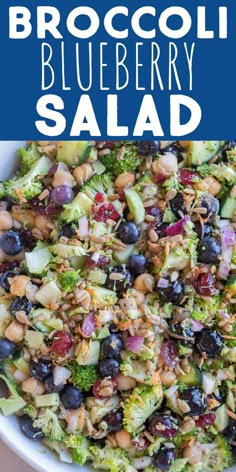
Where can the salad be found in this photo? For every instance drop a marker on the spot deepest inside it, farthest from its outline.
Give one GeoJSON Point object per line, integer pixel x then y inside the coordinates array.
{"type": "Point", "coordinates": [117, 302]}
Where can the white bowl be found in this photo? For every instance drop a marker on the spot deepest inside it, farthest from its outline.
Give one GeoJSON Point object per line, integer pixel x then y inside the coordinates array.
{"type": "Point", "coordinates": [34, 453]}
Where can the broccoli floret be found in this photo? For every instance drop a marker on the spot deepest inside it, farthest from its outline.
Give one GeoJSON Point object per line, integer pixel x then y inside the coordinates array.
{"type": "Point", "coordinates": [2, 190]}
{"type": "Point", "coordinates": [80, 206]}
{"type": "Point", "coordinates": [14, 402]}
{"type": "Point", "coordinates": [172, 182]}
{"type": "Point", "coordinates": [83, 376]}
{"type": "Point", "coordinates": [50, 425]}
{"type": "Point", "coordinates": [219, 458]}
{"type": "Point", "coordinates": [98, 183]}
{"type": "Point", "coordinates": [30, 410]}
{"type": "Point", "coordinates": [142, 402]}
{"type": "Point", "coordinates": [232, 342]}
{"type": "Point", "coordinates": [79, 448]}
{"type": "Point", "coordinates": [203, 309]}
{"type": "Point", "coordinates": [129, 162]}
{"type": "Point", "coordinates": [68, 280]}
{"type": "Point", "coordinates": [25, 188]}
{"type": "Point", "coordinates": [28, 157]}
{"type": "Point", "coordinates": [113, 459]}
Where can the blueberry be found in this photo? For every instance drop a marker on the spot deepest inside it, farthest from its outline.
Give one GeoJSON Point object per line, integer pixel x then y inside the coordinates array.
{"type": "Point", "coordinates": [128, 232]}
{"type": "Point", "coordinates": [12, 243]}
{"type": "Point", "coordinates": [26, 424]}
{"type": "Point", "coordinates": [177, 205]}
{"type": "Point", "coordinates": [211, 204]}
{"type": "Point", "coordinates": [109, 368]}
{"type": "Point", "coordinates": [208, 250]}
{"type": "Point", "coordinates": [203, 231]}
{"type": "Point", "coordinates": [71, 397]}
{"type": "Point", "coordinates": [114, 420]}
{"type": "Point", "coordinates": [119, 285]}
{"type": "Point", "coordinates": [21, 304]}
{"type": "Point", "coordinates": [210, 343]}
{"type": "Point", "coordinates": [137, 264]}
{"type": "Point", "coordinates": [6, 348]}
{"type": "Point", "coordinates": [51, 387]}
{"type": "Point", "coordinates": [41, 369]}
{"type": "Point", "coordinates": [173, 293]}
{"type": "Point", "coordinates": [164, 458]}
{"type": "Point", "coordinates": [195, 399]}
{"type": "Point", "coordinates": [68, 231]}
{"type": "Point", "coordinates": [8, 274]}
{"type": "Point", "coordinates": [230, 430]}
{"type": "Point", "coordinates": [112, 345]}
{"type": "Point", "coordinates": [146, 148]}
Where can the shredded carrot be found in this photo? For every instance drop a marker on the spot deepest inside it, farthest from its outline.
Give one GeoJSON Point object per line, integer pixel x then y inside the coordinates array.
{"type": "Point", "coordinates": [123, 325]}
{"type": "Point", "coordinates": [20, 196]}
{"type": "Point", "coordinates": [156, 378]}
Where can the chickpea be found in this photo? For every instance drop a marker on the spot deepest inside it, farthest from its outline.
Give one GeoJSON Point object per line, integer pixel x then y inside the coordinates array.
{"type": "Point", "coordinates": [42, 223]}
{"type": "Point", "coordinates": [25, 217]}
{"type": "Point", "coordinates": [63, 177]}
{"type": "Point", "coordinates": [19, 284]}
{"type": "Point", "coordinates": [167, 378]}
{"type": "Point", "coordinates": [125, 382]}
{"type": "Point", "coordinates": [83, 173]}
{"type": "Point", "coordinates": [123, 439]}
{"type": "Point", "coordinates": [123, 180]}
{"type": "Point", "coordinates": [193, 453]}
{"type": "Point", "coordinates": [144, 282]}
{"type": "Point", "coordinates": [166, 164]}
{"type": "Point", "coordinates": [5, 220]}
{"type": "Point", "coordinates": [15, 332]}
{"type": "Point", "coordinates": [33, 386]}
{"type": "Point", "coordinates": [209, 184]}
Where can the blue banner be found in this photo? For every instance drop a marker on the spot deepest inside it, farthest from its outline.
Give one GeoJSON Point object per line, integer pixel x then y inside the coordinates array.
{"type": "Point", "coordinates": [117, 70]}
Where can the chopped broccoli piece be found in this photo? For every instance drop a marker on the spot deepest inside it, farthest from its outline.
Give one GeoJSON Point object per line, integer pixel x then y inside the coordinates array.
{"type": "Point", "coordinates": [2, 190]}
{"type": "Point", "coordinates": [28, 157]}
{"type": "Point", "coordinates": [14, 403]}
{"type": "Point", "coordinates": [68, 280]}
{"type": "Point", "coordinates": [128, 163]}
{"type": "Point", "coordinates": [219, 458]}
{"type": "Point", "coordinates": [66, 250]}
{"type": "Point", "coordinates": [83, 376]}
{"type": "Point", "coordinates": [80, 206]}
{"type": "Point", "coordinates": [232, 342]}
{"type": "Point", "coordinates": [172, 182]}
{"type": "Point", "coordinates": [49, 424]}
{"type": "Point", "coordinates": [113, 459]}
{"type": "Point", "coordinates": [25, 188]}
{"type": "Point", "coordinates": [203, 309]}
{"type": "Point", "coordinates": [143, 401]}
{"type": "Point", "coordinates": [221, 171]}
{"type": "Point", "coordinates": [98, 183]}
{"type": "Point", "coordinates": [30, 410]}
{"type": "Point", "coordinates": [79, 448]}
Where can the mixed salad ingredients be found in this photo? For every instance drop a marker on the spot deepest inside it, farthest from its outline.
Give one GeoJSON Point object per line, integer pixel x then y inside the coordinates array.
{"type": "Point", "coordinates": [117, 302]}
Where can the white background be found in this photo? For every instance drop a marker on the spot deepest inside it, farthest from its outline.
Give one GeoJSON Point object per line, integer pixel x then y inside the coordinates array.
{"type": "Point", "coordinates": [10, 462]}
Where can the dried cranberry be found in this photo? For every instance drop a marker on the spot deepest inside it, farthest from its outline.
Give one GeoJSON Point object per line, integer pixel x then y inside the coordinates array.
{"type": "Point", "coordinates": [141, 443]}
{"type": "Point", "coordinates": [169, 354]}
{"type": "Point", "coordinates": [101, 384]}
{"type": "Point", "coordinates": [159, 178]}
{"type": "Point", "coordinates": [103, 261]}
{"type": "Point", "coordinates": [187, 177]}
{"type": "Point", "coordinates": [49, 210]}
{"type": "Point", "coordinates": [106, 145]}
{"type": "Point", "coordinates": [105, 212]}
{"type": "Point", "coordinates": [204, 421]}
{"type": "Point", "coordinates": [99, 197]}
{"type": "Point", "coordinates": [62, 342]}
{"type": "Point", "coordinates": [53, 170]}
{"type": "Point", "coordinates": [205, 284]}
{"type": "Point", "coordinates": [5, 266]}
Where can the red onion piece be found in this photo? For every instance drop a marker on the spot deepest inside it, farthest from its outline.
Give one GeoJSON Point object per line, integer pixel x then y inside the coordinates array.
{"type": "Point", "coordinates": [227, 235]}
{"type": "Point", "coordinates": [196, 326]}
{"type": "Point", "coordinates": [134, 343]}
{"type": "Point", "coordinates": [162, 283]}
{"type": "Point", "coordinates": [177, 228]}
{"type": "Point", "coordinates": [83, 227]}
{"type": "Point", "coordinates": [3, 205]}
{"type": "Point", "coordinates": [89, 324]}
